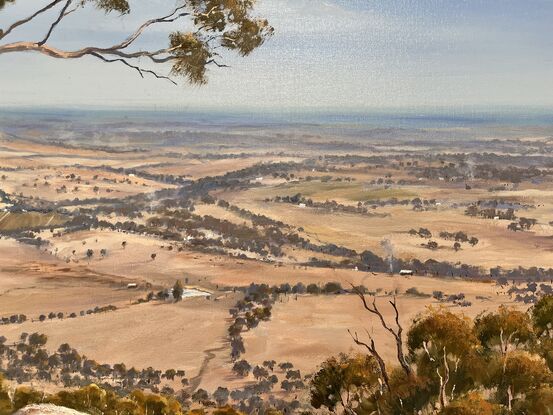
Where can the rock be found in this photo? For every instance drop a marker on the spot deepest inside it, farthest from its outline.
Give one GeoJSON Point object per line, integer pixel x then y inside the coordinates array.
{"type": "Point", "coordinates": [47, 409]}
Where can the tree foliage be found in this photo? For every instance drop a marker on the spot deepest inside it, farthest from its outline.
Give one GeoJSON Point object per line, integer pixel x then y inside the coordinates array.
{"type": "Point", "coordinates": [178, 290]}
{"type": "Point", "coordinates": [505, 325]}
{"type": "Point", "coordinates": [91, 399]}
{"type": "Point", "coordinates": [6, 406]}
{"type": "Point", "coordinates": [471, 404]}
{"type": "Point", "coordinates": [494, 364]}
{"type": "Point", "coordinates": [341, 378]}
{"type": "Point", "coordinates": [542, 316]}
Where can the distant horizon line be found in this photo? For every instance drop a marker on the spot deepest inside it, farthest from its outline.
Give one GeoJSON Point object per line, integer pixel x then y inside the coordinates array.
{"type": "Point", "coordinates": [405, 109]}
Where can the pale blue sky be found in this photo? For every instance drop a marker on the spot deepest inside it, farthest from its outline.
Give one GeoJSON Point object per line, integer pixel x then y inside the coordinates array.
{"type": "Point", "coordinates": [326, 54]}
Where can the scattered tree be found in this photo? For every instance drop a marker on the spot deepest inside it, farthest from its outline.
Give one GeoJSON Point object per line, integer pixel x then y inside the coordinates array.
{"type": "Point", "coordinates": [178, 290]}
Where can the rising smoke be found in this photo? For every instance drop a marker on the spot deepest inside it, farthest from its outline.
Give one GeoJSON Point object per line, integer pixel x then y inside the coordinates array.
{"type": "Point", "coordinates": [388, 248]}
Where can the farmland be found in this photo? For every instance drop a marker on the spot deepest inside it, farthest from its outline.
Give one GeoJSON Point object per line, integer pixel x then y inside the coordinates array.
{"type": "Point", "coordinates": [95, 238]}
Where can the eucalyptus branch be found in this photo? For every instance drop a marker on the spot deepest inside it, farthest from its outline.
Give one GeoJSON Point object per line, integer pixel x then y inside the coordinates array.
{"type": "Point", "coordinates": [189, 53]}
{"type": "Point", "coordinates": [166, 19]}
{"type": "Point", "coordinates": [397, 333]}
{"type": "Point", "coordinates": [372, 350]}
{"type": "Point", "coordinates": [141, 71]}
{"type": "Point", "coordinates": [4, 33]}
{"type": "Point", "coordinates": [58, 20]}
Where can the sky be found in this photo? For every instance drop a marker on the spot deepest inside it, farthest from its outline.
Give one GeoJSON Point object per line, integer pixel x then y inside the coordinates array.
{"type": "Point", "coordinates": [327, 55]}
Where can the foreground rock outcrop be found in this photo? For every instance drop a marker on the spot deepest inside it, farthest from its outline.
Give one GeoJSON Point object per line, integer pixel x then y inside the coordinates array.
{"type": "Point", "coordinates": [47, 409]}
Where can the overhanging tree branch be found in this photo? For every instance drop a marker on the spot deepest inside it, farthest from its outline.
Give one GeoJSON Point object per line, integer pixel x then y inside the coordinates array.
{"type": "Point", "coordinates": [141, 71]}
{"type": "Point", "coordinates": [21, 22]}
{"type": "Point", "coordinates": [218, 24]}
{"type": "Point", "coordinates": [58, 20]}
{"type": "Point", "coordinates": [166, 19]}
{"type": "Point", "coordinates": [100, 52]}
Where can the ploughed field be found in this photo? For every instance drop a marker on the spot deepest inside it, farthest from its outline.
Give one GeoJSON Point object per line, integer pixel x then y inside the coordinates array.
{"type": "Point", "coordinates": [94, 238]}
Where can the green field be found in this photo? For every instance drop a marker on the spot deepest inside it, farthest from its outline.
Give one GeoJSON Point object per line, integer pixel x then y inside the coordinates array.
{"type": "Point", "coordinates": [14, 221]}
{"type": "Point", "coordinates": [356, 192]}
